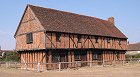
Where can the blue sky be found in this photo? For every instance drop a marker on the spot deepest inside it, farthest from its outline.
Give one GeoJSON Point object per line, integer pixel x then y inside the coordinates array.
{"type": "Point", "coordinates": [125, 12]}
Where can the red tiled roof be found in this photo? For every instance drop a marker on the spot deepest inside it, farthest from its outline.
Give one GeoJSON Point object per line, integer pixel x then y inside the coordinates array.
{"type": "Point", "coordinates": [60, 21]}
{"type": "Point", "coordinates": [6, 50]}
{"type": "Point", "coordinates": [134, 47]}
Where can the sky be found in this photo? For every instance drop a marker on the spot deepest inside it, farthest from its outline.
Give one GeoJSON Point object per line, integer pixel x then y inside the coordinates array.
{"type": "Point", "coordinates": [125, 12]}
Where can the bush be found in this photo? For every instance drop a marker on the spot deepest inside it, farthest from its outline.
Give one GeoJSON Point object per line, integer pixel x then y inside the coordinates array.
{"type": "Point", "coordinates": [137, 55]}
{"type": "Point", "coordinates": [133, 56]}
{"type": "Point", "coordinates": [11, 56]}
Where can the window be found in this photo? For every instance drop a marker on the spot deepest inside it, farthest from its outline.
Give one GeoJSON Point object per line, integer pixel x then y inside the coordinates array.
{"type": "Point", "coordinates": [94, 55]}
{"type": "Point", "coordinates": [108, 40]}
{"type": "Point", "coordinates": [96, 39]}
{"type": "Point", "coordinates": [117, 55]}
{"type": "Point", "coordinates": [55, 57]}
{"type": "Point", "coordinates": [113, 39]}
{"type": "Point", "coordinates": [58, 35]}
{"type": "Point", "coordinates": [79, 37]}
{"type": "Point", "coordinates": [119, 41]}
{"type": "Point", "coordinates": [29, 38]}
{"type": "Point", "coordinates": [77, 55]}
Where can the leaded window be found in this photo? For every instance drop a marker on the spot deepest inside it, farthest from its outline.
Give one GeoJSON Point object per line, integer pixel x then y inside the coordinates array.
{"type": "Point", "coordinates": [79, 37]}
{"type": "Point", "coordinates": [96, 39]}
{"type": "Point", "coordinates": [94, 55]}
{"type": "Point", "coordinates": [55, 57]}
{"type": "Point", "coordinates": [77, 55]}
{"type": "Point", "coordinates": [29, 38]}
{"type": "Point", "coordinates": [108, 40]}
{"type": "Point", "coordinates": [58, 35]}
{"type": "Point", "coordinates": [119, 41]}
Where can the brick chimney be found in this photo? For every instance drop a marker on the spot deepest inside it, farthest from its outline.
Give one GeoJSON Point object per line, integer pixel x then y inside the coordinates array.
{"type": "Point", "coordinates": [111, 19]}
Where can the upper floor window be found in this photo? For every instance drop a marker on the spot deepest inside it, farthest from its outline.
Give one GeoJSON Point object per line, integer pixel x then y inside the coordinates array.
{"type": "Point", "coordinates": [58, 35]}
{"type": "Point", "coordinates": [96, 39]}
{"type": "Point", "coordinates": [108, 40]}
{"type": "Point", "coordinates": [29, 38]}
{"type": "Point", "coordinates": [79, 37]}
{"type": "Point", "coordinates": [119, 41]}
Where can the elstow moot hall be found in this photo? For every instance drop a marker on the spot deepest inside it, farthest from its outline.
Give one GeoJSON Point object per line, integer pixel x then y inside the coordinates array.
{"type": "Point", "coordinates": [50, 36]}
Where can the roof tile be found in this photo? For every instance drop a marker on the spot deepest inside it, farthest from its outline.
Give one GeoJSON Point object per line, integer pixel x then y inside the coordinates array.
{"type": "Point", "coordinates": [60, 21]}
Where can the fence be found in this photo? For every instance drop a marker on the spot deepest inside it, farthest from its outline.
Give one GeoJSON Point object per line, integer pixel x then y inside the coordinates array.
{"type": "Point", "coordinates": [64, 65]}
{"type": "Point", "coordinates": [10, 64]}
{"type": "Point", "coordinates": [77, 64]}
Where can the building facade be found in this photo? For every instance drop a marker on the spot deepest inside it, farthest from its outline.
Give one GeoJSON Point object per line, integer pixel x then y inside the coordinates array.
{"type": "Point", "coordinates": [50, 36]}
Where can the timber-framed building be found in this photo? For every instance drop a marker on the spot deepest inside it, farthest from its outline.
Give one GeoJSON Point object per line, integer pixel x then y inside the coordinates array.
{"type": "Point", "coordinates": [46, 35]}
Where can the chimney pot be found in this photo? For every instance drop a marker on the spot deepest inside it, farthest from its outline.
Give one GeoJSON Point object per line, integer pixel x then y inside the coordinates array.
{"type": "Point", "coordinates": [111, 19]}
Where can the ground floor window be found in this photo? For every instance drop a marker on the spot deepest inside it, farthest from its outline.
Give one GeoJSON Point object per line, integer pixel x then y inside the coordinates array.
{"type": "Point", "coordinates": [117, 55]}
{"type": "Point", "coordinates": [97, 55]}
{"type": "Point", "coordinates": [55, 57]}
{"type": "Point", "coordinates": [77, 56]}
{"type": "Point", "coordinates": [80, 55]}
{"type": "Point", "coordinates": [94, 55]}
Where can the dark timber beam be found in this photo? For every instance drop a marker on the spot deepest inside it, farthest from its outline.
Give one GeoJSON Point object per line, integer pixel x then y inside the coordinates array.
{"type": "Point", "coordinates": [73, 42]}
{"type": "Point", "coordinates": [50, 40]}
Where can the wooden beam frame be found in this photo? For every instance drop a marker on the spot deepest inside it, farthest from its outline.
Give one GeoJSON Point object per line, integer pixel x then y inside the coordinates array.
{"type": "Point", "coordinates": [50, 41]}
{"type": "Point", "coordinates": [91, 42]}
{"type": "Point", "coordinates": [73, 42]}
{"type": "Point", "coordinates": [84, 42]}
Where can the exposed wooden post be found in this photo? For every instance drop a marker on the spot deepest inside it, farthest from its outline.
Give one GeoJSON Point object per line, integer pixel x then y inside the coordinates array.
{"type": "Point", "coordinates": [49, 58]}
{"type": "Point", "coordinates": [6, 64]}
{"type": "Point", "coordinates": [88, 56]}
{"type": "Point", "coordinates": [76, 65]}
{"type": "Point", "coordinates": [15, 65]}
{"type": "Point", "coordinates": [123, 62]}
{"type": "Point", "coordinates": [90, 64]}
{"type": "Point", "coordinates": [44, 60]}
{"type": "Point", "coordinates": [59, 66]}
{"type": "Point", "coordinates": [72, 57]}
{"type": "Point", "coordinates": [25, 66]}
{"type": "Point", "coordinates": [113, 62]}
{"type": "Point", "coordinates": [32, 59]}
{"type": "Point", "coordinates": [103, 63]}
{"type": "Point", "coordinates": [69, 59]}
{"type": "Point", "coordinates": [38, 67]}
